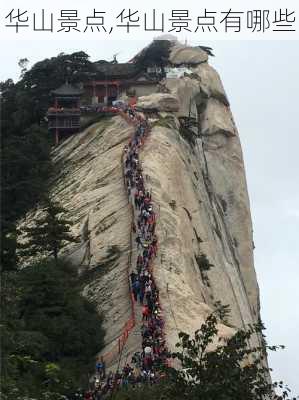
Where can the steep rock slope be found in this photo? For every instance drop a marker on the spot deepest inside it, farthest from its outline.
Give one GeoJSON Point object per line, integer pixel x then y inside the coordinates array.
{"type": "Point", "coordinates": [90, 185]}
{"type": "Point", "coordinates": [197, 178]}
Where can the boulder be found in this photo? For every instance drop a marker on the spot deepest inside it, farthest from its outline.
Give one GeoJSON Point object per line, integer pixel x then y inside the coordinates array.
{"type": "Point", "coordinates": [181, 54]}
{"type": "Point", "coordinates": [159, 102]}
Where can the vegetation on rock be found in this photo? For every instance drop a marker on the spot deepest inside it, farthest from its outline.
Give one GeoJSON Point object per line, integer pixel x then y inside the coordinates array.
{"type": "Point", "coordinates": [49, 233]}
{"type": "Point", "coordinates": [211, 369]}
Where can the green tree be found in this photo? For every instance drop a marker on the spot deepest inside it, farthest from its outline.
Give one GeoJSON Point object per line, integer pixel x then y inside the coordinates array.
{"type": "Point", "coordinates": [23, 64]}
{"type": "Point", "coordinates": [50, 232]}
{"type": "Point", "coordinates": [50, 332]}
{"type": "Point", "coordinates": [26, 167]}
{"type": "Point", "coordinates": [233, 370]}
{"type": "Point", "coordinates": [210, 369]}
{"type": "Point", "coordinates": [25, 144]}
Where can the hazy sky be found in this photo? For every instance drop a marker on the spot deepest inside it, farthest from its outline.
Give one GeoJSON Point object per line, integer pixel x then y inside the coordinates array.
{"type": "Point", "coordinates": [261, 80]}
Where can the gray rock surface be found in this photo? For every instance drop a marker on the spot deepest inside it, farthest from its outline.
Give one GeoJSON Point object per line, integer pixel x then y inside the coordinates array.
{"type": "Point", "coordinates": [181, 54]}
{"type": "Point", "coordinates": [159, 102]}
{"type": "Point", "coordinates": [210, 82]}
{"type": "Point", "coordinates": [216, 119]}
{"type": "Point", "coordinates": [185, 89]}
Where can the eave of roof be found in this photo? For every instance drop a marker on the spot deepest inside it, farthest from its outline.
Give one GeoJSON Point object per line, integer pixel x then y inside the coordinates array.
{"type": "Point", "coordinates": [67, 90]}
{"type": "Point", "coordinates": [116, 69]}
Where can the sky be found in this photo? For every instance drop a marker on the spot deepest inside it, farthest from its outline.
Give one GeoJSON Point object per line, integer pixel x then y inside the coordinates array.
{"type": "Point", "coordinates": [261, 80]}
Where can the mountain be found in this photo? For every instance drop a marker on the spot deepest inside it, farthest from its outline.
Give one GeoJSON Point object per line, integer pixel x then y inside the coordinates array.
{"type": "Point", "coordinates": [192, 163]}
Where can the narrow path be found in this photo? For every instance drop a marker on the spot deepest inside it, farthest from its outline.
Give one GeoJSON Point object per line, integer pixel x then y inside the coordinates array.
{"type": "Point", "coordinates": [142, 347]}
{"type": "Point", "coordinates": [144, 288]}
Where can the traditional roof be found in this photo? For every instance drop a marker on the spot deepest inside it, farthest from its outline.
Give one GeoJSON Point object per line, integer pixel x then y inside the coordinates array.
{"type": "Point", "coordinates": [158, 45]}
{"type": "Point", "coordinates": [144, 77]}
{"type": "Point", "coordinates": [116, 70]}
{"type": "Point", "coordinates": [67, 90]}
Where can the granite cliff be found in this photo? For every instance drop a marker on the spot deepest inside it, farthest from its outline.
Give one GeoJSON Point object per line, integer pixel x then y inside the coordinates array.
{"type": "Point", "coordinates": [193, 164]}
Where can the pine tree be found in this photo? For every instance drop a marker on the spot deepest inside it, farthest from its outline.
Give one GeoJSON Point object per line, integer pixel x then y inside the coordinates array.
{"type": "Point", "coordinates": [50, 232]}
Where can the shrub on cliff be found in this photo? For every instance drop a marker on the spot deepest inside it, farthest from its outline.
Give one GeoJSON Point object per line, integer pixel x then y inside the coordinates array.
{"type": "Point", "coordinates": [232, 371]}
{"type": "Point", "coordinates": [50, 231]}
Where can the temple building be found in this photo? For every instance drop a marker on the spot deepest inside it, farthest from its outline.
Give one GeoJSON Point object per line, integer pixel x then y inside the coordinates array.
{"type": "Point", "coordinates": [105, 83]}
{"type": "Point", "coordinates": [114, 80]}
{"type": "Point", "coordinates": [64, 116]}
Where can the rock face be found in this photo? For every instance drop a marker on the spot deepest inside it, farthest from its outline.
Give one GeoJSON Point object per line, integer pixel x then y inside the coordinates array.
{"type": "Point", "coordinates": [196, 174]}
{"type": "Point", "coordinates": [90, 186]}
{"type": "Point", "coordinates": [187, 55]}
{"type": "Point", "coordinates": [210, 82]}
{"type": "Point", "coordinates": [158, 102]}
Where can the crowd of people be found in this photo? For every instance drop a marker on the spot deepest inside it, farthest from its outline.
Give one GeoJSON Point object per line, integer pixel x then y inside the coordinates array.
{"type": "Point", "coordinates": [154, 351]}
{"type": "Point", "coordinates": [145, 365]}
